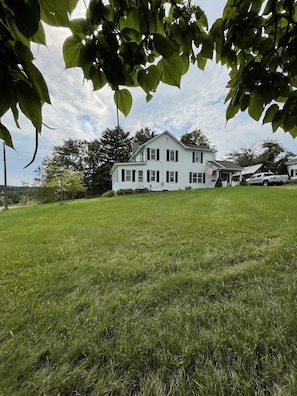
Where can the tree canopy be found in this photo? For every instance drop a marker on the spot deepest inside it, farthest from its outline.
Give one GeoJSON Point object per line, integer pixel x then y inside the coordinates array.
{"type": "Point", "coordinates": [195, 137]}
{"type": "Point", "coordinates": [270, 154]}
{"type": "Point", "coordinates": [142, 43]}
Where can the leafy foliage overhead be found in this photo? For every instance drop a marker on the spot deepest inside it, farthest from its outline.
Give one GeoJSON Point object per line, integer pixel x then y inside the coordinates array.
{"type": "Point", "coordinates": [140, 43]}
{"type": "Point", "coordinates": [257, 41]}
{"type": "Point", "coordinates": [22, 85]}
{"type": "Point", "coordinates": [137, 43]}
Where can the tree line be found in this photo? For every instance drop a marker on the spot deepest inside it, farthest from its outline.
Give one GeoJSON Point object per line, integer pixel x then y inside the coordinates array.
{"type": "Point", "coordinates": [81, 167]}
{"type": "Point", "coordinates": [270, 153]}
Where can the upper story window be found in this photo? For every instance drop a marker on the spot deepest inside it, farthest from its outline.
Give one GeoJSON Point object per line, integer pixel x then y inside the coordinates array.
{"type": "Point", "coordinates": [172, 155]}
{"type": "Point", "coordinates": [152, 154]}
{"type": "Point", "coordinates": [197, 156]}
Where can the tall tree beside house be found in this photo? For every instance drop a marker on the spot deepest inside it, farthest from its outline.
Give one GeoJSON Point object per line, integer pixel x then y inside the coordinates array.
{"type": "Point", "coordinates": [196, 137]}
{"type": "Point", "coordinates": [270, 154]}
{"type": "Point", "coordinates": [72, 152]}
{"type": "Point", "coordinates": [245, 156]}
{"type": "Point", "coordinates": [84, 157]}
{"type": "Point", "coordinates": [274, 156]}
{"type": "Point", "coordinates": [116, 146]}
{"type": "Point", "coordinates": [143, 135]}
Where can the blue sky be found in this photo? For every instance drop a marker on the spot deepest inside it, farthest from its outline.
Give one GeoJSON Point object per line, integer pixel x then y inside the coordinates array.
{"type": "Point", "coordinates": [79, 113]}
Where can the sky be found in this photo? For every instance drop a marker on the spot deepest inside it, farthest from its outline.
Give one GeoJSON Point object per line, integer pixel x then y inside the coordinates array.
{"type": "Point", "coordinates": [78, 112]}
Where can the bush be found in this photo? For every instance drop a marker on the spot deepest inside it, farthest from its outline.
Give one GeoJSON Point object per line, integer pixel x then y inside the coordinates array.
{"type": "Point", "coordinates": [243, 182]}
{"type": "Point", "coordinates": [218, 182]}
{"type": "Point", "coordinates": [125, 191]}
{"type": "Point", "coordinates": [129, 191]}
{"type": "Point", "coordinates": [109, 193]}
{"type": "Point", "coordinates": [292, 181]}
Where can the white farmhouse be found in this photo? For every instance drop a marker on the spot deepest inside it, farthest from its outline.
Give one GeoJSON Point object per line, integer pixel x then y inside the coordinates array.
{"type": "Point", "coordinates": [165, 164]}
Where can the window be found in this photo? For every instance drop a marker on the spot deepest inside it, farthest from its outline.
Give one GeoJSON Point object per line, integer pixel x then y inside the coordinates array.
{"type": "Point", "coordinates": [197, 156]}
{"type": "Point", "coordinates": [140, 176]}
{"type": "Point", "coordinates": [141, 156]}
{"type": "Point", "coordinates": [152, 154]}
{"type": "Point", "coordinates": [172, 155]}
{"type": "Point", "coordinates": [128, 175]}
{"type": "Point", "coordinates": [153, 176]}
{"type": "Point", "coordinates": [196, 177]}
{"type": "Point", "coordinates": [171, 177]}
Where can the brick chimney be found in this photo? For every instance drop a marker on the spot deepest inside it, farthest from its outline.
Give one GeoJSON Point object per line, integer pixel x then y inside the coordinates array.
{"type": "Point", "coordinates": [135, 146]}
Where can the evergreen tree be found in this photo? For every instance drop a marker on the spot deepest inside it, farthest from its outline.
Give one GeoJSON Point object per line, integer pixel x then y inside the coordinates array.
{"type": "Point", "coordinates": [116, 146]}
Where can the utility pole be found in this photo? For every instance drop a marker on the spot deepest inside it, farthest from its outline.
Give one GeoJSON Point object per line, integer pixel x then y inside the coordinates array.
{"type": "Point", "coordinates": [5, 179]}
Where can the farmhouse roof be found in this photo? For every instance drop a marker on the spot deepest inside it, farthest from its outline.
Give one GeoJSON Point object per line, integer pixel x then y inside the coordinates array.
{"type": "Point", "coordinates": [227, 165]}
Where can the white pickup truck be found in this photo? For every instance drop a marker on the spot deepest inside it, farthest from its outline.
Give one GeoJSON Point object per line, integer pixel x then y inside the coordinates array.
{"type": "Point", "coordinates": [267, 178]}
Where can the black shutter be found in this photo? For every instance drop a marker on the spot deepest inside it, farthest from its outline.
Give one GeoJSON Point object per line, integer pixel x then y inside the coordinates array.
{"type": "Point", "coordinates": [123, 175]}
{"type": "Point", "coordinates": [148, 176]}
{"type": "Point", "coordinates": [167, 155]}
{"type": "Point", "coordinates": [193, 156]}
{"type": "Point", "coordinates": [167, 176]}
{"type": "Point", "coordinates": [133, 175]}
{"type": "Point", "coordinates": [158, 154]}
{"type": "Point", "coordinates": [190, 181]}
{"type": "Point", "coordinates": [176, 156]}
{"type": "Point", "coordinates": [176, 177]}
{"type": "Point", "coordinates": [201, 157]}
{"type": "Point", "coordinates": [148, 156]}
{"type": "Point", "coordinates": [158, 176]}
{"type": "Point", "coordinates": [203, 177]}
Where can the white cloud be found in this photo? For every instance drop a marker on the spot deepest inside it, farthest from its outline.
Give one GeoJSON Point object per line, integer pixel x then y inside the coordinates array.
{"type": "Point", "coordinates": [78, 112]}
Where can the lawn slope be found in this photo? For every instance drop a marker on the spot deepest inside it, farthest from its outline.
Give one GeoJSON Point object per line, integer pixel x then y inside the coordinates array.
{"type": "Point", "coordinates": [178, 293]}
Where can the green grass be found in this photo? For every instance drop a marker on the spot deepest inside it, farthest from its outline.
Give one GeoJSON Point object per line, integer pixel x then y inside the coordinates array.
{"type": "Point", "coordinates": [180, 293]}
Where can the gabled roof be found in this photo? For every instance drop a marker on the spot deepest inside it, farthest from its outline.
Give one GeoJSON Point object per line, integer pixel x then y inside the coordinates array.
{"type": "Point", "coordinates": [291, 161]}
{"type": "Point", "coordinates": [227, 165]}
{"type": "Point", "coordinates": [249, 170]}
{"type": "Point", "coordinates": [187, 147]}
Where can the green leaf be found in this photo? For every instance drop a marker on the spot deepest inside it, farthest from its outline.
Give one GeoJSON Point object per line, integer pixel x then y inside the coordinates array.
{"type": "Point", "coordinates": [123, 100]}
{"type": "Point", "coordinates": [39, 36]}
{"type": "Point", "coordinates": [56, 12]}
{"type": "Point", "coordinates": [149, 79]}
{"type": "Point", "coordinates": [71, 51]}
{"type": "Point", "coordinates": [98, 79]}
{"type": "Point", "coordinates": [231, 111]}
{"type": "Point", "coordinates": [277, 120]}
{"type": "Point", "coordinates": [244, 102]}
{"type": "Point", "coordinates": [270, 112]}
{"type": "Point", "coordinates": [38, 82]}
{"type": "Point", "coordinates": [29, 103]}
{"type": "Point", "coordinates": [256, 106]}
{"type": "Point", "coordinates": [164, 46]}
{"type": "Point", "coordinates": [207, 49]}
{"type": "Point", "coordinates": [27, 17]}
{"type": "Point", "coordinates": [171, 70]}
{"type": "Point", "coordinates": [5, 135]}
{"type": "Point", "coordinates": [80, 27]}
{"type": "Point", "coordinates": [201, 61]}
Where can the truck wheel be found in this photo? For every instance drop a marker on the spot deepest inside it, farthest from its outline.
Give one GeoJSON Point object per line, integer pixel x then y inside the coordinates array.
{"type": "Point", "coordinates": [265, 183]}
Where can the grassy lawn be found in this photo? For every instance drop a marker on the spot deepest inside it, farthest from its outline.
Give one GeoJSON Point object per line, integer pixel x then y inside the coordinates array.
{"type": "Point", "coordinates": [178, 293]}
